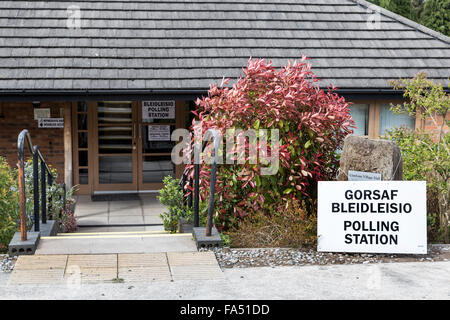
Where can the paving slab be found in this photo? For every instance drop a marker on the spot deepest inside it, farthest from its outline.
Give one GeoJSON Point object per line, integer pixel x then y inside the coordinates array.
{"type": "Point", "coordinates": [196, 272]}
{"type": "Point", "coordinates": [124, 205]}
{"type": "Point", "coordinates": [191, 258]}
{"type": "Point", "coordinates": [93, 207]}
{"type": "Point", "coordinates": [194, 266]}
{"type": "Point", "coordinates": [126, 260]}
{"type": "Point", "coordinates": [38, 262]}
{"type": "Point", "coordinates": [152, 220]}
{"type": "Point", "coordinates": [127, 212]}
{"type": "Point", "coordinates": [92, 221]}
{"type": "Point", "coordinates": [90, 275]}
{"type": "Point", "coordinates": [145, 274]}
{"type": "Point", "coordinates": [144, 267]}
{"type": "Point", "coordinates": [126, 220]}
{"type": "Point", "coordinates": [153, 211]}
{"type": "Point", "coordinates": [36, 276]}
{"type": "Point", "coordinates": [91, 268]}
{"type": "Point", "coordinates": [93, 261]}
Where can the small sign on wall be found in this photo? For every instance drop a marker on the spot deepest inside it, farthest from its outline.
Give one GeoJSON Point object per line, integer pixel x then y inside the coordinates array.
{"type": "Point", "coordinates": [372, 217]}
{"type": "Point", "coordinates": [159, 133]}
{"type": "Point", "coordinates": [51, 123]}
{"type": "Point", "coordinates": [41, 113]}
{"type": "Point", "coordinates": [157, 110]}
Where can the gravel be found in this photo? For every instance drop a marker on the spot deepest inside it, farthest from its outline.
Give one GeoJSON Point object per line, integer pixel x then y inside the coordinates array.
{"type": "Point", "coordinates": [7, 263]}
{"type": "Point", "coordinates": [272, 257]}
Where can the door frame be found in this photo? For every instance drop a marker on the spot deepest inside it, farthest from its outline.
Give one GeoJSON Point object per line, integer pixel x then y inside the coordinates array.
{"type": "Point", "coordinates": [137, 185]}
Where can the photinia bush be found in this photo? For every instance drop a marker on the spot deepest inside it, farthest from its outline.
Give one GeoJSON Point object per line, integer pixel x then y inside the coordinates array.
{"type": "Point", "coordinates": [312, 124]}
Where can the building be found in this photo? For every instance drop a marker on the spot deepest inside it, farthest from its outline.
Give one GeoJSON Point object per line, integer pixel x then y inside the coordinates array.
{"type": "Point", "coordinates": [97, 63]}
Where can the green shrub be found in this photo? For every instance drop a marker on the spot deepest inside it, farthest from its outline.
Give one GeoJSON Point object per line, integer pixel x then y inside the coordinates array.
{"type": "Point", "coordinates": [55, 200]}
{"type": "Point", "coordinates": [171, 195]}
{"type": "Point", "coordinates": [424, 159]}
{"type": "Point", "coordinates": [9, 204]}
{"type": "Point", "coordinates": [426, 156]}
{"type": "Point", "coordinates": [293, 228]}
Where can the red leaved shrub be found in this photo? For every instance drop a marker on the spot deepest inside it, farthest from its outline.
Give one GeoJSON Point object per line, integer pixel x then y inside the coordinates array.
{"type": "Point", "coordinates": [312, 125]}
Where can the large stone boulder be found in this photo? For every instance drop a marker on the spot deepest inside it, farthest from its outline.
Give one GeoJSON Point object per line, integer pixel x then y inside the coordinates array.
{"type": "Point", "coordinates": [368, 155]}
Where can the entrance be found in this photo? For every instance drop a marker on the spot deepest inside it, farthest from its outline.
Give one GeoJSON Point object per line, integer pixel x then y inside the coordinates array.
{"type": "Point", "coordinates": [129, 149]}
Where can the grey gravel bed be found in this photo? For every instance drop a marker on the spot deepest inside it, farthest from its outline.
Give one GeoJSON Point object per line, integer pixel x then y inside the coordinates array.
{"type": "Point", "coordinates": [7, 263]}
{"type": "Point", "coordinates": [272, 257]}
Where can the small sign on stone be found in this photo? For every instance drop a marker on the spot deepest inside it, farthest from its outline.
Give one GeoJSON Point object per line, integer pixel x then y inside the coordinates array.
{"type": "Point", "coordinates": [363, 176]}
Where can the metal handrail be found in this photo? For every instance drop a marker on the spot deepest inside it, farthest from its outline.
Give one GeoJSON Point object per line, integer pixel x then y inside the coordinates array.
{"type": "Point", "coordinates": [24, 136]}
{"type": "Point", "coordinates": [212, 186]}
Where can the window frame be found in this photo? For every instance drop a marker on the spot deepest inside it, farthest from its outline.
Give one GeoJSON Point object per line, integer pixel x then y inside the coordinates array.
{"type": "Point", "coordinates": [375, 113]}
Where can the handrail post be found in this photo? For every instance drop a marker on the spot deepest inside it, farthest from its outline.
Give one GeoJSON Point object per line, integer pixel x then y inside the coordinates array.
{"type": "Point", "coordinates": [212, 190]}
{"type": "Point", "coordinates": [23, 212]}
{"type": "Point", "coordinates": [196, 195]}
{"type": "Point", "coordinates": [43, 193]}
{"type": "Point", "coordinates": [21, 167]}
{"type": "Point", "coordinates": [50, 199]}
{"type": "Point", "coordinates": [212, 184]}
{"type": "Point", "coordinates": [197, 151]}
{"type": "Point", "coordinates": [190, 197]}
{"type": "Point", "coordinates": [36, 189]}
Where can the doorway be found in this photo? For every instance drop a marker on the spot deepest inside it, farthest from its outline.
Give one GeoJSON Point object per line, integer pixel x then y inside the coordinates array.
{"type": "Point", "coordinates": [127, 145]}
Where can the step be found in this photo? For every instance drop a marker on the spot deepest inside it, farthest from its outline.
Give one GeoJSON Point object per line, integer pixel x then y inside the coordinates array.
{"type": "Point", "coordinates": [148, 242]}
{"type": "Point", "coordinates": [85, 234]}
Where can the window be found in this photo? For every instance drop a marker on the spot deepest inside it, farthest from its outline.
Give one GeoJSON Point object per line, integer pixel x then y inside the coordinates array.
{"type": "Point", "coordinates": [360, 114]}
{"type": "Point", "coordinates": [389, 120]}
{"type": "Point", "coordinates": [82, 143]}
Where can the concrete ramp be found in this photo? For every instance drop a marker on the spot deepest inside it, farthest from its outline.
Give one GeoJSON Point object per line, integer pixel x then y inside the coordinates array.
{"type": "Point", "coordinates": [116, 242]}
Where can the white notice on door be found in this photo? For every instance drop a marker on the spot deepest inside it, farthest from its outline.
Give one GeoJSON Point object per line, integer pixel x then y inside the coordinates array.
{"type": "Point", "coordinates": [158, 133]}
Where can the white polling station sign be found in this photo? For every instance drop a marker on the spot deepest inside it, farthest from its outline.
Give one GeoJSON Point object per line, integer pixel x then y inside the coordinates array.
{"type": "Point", "coordinates": [372, 217]}
{"type": "Point", "coordinates": [158, 110]}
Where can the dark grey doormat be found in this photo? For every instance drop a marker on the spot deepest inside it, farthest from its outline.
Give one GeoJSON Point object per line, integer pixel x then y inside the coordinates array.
{"type": "Point", "coordinates": [115, 197]}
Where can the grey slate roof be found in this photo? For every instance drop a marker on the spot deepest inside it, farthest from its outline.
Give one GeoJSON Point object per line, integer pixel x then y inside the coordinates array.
{"type": "Point", "coordinates": [177, 44]}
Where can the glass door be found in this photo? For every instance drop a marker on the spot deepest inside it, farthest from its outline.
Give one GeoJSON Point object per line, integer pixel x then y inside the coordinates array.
{"type": "Point", "coordinates": [116, 146]}
{"type": "Point", "coordinates": [155, 145]}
